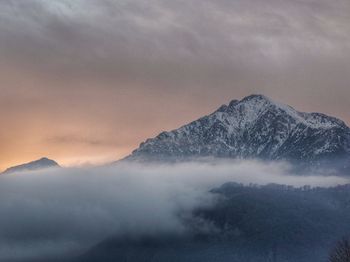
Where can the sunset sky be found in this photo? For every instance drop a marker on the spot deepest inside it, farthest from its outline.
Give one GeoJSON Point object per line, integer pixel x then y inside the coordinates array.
{"type": "Point", "coordinates": [86, 81]}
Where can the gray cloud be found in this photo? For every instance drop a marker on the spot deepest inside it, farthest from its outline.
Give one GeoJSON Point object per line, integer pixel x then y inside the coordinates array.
{"type": "Point", "coordinates": [173, 41]}
{"type": "Point", "coordinates": [52, 212]}
{"type": "Point", "coordinates": [194, 46]}
{"type": "Point", "coordinates": [78, 139]}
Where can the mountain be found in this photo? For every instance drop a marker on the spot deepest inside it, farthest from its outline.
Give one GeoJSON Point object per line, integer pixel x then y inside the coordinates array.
{"type": "Point", "coordinates": [254, 127]}
{"type": "Point", "coordinates": [248, 223]}
{"type": "Point", "coordinates": [42, 163]}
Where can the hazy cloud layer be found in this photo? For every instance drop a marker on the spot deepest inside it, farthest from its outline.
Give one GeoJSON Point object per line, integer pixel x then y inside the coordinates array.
{"type": "Point", "coordinates": [129, 69]}
{"type": "Point", "coordinates": [63, 210]}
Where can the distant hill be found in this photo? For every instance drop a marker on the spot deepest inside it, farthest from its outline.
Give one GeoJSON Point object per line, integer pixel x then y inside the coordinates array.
{"type": "Point", "coordinates": [248, 223]}
{"type": "Point", "coordinates": [41, 163]}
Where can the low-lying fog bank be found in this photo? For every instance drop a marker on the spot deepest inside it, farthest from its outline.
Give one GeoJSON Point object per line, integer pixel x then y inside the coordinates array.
{"type": "Point", "coordinates": [60, 211]}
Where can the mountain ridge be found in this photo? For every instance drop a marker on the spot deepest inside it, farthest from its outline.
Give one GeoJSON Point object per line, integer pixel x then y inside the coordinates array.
{"type": "Point", "coordinates": [41, 163]}
{"type": "Point", "coordinates": [253, 127]}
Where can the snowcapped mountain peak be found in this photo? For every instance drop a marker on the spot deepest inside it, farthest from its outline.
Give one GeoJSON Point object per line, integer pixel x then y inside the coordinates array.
{"type": "Point", "coordinates": [233, 103]}
{"type": "Point", "coordinates": [254, 127]}
{"type": "Point", "coordinates": [254, 106]}
{"type": "Point", "coordinates": [256, 97]}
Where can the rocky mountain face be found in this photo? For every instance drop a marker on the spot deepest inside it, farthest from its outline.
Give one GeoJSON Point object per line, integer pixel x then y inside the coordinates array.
{"type": "Point", "coordinates": [254, 127]}
{"type": "Point", "coordinates": [42, 163]}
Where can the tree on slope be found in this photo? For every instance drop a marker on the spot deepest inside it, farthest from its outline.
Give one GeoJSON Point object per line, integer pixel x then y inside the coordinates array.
{"type": "Point", "coordinates": [341, 251]}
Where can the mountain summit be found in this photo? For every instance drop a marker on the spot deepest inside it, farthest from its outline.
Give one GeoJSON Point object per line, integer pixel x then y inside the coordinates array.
{"type": "Point", "coordinates": [42, 163]}
{"type": "Point", "coordinates": [254, 127]}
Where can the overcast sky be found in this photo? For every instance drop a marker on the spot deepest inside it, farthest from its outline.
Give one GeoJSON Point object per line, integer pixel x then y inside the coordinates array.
{"type": "Point", "coordinates": [88, 80]}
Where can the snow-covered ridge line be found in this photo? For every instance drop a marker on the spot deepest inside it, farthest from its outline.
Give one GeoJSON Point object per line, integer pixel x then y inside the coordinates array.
{"type": "Point", "coordinates": [256, 104]}
{"type": "Point", "coordinates": [254, 127]}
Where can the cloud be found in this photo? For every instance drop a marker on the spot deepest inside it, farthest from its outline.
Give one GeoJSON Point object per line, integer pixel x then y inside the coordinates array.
{"type": "Point", "coordinates": [127, 70]}
{"type": "Point", "coordinates": [54, 212]}
{"type": "Point", "coordinates": [178, 42]}
{"type": "Point", "coordinates": [75, 139]}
